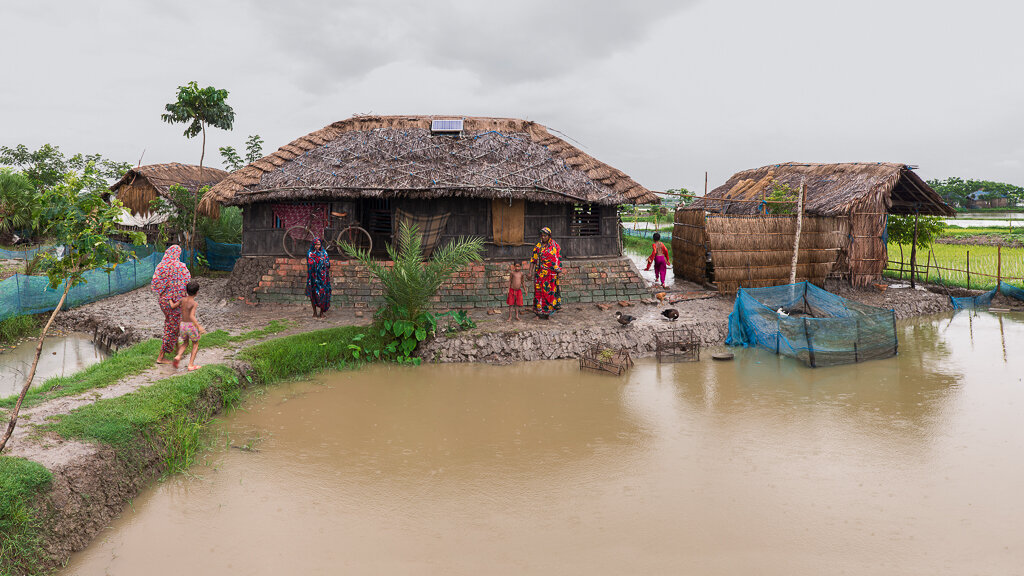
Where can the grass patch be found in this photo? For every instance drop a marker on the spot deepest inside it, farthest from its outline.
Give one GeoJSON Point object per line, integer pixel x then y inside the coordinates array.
{"type": "Point", "coordinates": [17, 327]}
{"type": "Point", "coordinates": [20, 538]}
{"type": "Point", "coordinates": [127, 362]}
{"type": "Point", "coordinates": [302, 354]}
{"type": "Point", "coordinates": [954, 256]}
{"type": "Point", "coordinates": [168, 417]}
{"type": "Point", "coordinates": [221, 339]}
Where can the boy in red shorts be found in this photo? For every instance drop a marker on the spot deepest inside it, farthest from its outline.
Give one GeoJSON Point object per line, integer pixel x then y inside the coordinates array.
{"type": "Point", "coordinates": [515, 290]}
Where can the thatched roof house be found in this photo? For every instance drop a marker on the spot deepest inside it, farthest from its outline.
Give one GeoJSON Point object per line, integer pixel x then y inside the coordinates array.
{"type": "Point", "coordinates": [832, 189]}
{"type": "Point", "coordinates": [142, 184]}
{"type": "Point", "coordinates": [727, 236]}
{"type": "Point", "coordinates": [498, 178]}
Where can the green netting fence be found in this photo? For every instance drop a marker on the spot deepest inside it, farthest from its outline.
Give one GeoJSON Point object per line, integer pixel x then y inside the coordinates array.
{"type": "Point", "coordinates": [22, 294]}
{"type": "Point", "coordinates": [812, 325]}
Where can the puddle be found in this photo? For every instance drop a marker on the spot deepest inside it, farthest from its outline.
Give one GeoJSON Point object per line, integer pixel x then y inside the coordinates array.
{"type": "Point", "coordinates": [61, 356]}
{"type": "Point", "coordinates": [909, 465]}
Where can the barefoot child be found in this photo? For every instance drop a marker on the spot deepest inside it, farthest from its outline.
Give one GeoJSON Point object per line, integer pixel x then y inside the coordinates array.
{"type": "Point", "coordinates": [659, 255]}
{"type": "Point", "coordinates": [515, 290]}
{"type": "Point", "coordinates": [190, 327]}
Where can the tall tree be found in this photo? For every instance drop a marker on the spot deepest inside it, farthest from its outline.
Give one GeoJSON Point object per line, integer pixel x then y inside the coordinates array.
{"type": "Point", "coordinates": [197, 108]}
{"type": "Point", "coordinates": [80, 221]}
{"type": "Point", "coordinates": [48, 166]}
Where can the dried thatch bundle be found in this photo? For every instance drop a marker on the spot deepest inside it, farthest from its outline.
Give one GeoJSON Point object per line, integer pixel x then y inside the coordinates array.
{"type": "Point", "coordinates": [142, 184]}
{"type": "Point", "coordinates": [399, 156]}
{"type": "Point", "coordinates": [832, 189]}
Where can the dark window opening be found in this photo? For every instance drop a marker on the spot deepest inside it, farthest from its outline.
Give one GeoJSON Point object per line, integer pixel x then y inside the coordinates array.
{"type": "Point", "coordinates": [585, 220]}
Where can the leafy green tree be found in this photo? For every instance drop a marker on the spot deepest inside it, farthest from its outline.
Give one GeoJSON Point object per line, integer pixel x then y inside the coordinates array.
{"type": "Point", "coordinates": [683, 196]}
{"type": "Point", "coordinates": [81, 222]}
{"type": "Point", "coordinates": [253, 152]}
{"type": "Point", "coordinates": [198, 108]}
{"type": "Point", "coordinates": [16, 195]}
{"type": "Point", "coordinates": [956, 191]}
{"type": "Point", "coordinates": [901, 231]}
{"type": "Point", "coordinates": [180, 207]}
{"type": "Point", "coordinates": [48, 166]}
{"type": "Point", "coordinates": [782, 199]}
{"type": "Point", "coordinates": [410, 283]}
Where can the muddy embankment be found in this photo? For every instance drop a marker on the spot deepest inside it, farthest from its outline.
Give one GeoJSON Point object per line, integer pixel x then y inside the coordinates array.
{"type": "Point", "coordinates": [93, 486]}
{"type": "Point", "coordinates": [579, 328]}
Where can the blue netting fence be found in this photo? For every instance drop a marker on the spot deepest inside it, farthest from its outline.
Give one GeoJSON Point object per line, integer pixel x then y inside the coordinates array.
{"type": "Point", "coordinates": [222, 256]}
{"type": "Point", "coordinates": [985, 300]}
{"type": "Point", "coordinates": [22, 294]}
{"type": "Point", "coordinates": [219, 256]}
{"type": "Point", "coordinates": [26, 254]}
{"type": "Point", "coordinates": [817, 327]}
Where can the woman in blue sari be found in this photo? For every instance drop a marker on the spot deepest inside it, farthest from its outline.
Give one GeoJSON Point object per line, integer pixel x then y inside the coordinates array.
{"type": "Point", "coordinates": [318, 278]}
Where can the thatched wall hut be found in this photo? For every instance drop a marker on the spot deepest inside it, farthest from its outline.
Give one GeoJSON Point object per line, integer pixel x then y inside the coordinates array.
{"type": "Point", "coordinates": [500, 179]}
{"type": "Point", "coordinates": [143, 184]}
{"type": "Point", "coordinates": [846, 205]}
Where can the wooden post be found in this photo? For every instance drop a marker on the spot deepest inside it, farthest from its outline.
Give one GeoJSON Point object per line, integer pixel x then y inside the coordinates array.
{"type": "Point", "coordinates": [999, 268]}
{"type": "Point", "coordinates": [913, 252]}
{"type": "Point", "coordinates": [968, 269]}
{"type": "Point", "coordinates": [927, 266]}
{"type": "Point", "coordinates": [799, 226]}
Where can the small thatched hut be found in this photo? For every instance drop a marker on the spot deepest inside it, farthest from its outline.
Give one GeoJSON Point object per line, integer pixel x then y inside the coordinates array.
{"type": "Point", "coordinates": [728, 238]}
{"type": "Point", "coordinates": [500, 179]}
{"type": "Point", "coordinates": [143, 184]}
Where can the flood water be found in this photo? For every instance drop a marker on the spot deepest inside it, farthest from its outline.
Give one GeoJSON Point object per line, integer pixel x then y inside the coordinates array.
{"type": "Point", "coordinates": [910, 465]}
{"type": "Point", "coordinates": [61, 356]}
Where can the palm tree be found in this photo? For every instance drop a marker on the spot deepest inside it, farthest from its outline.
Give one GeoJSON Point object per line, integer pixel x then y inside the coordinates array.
{"type": "Point", "coordinates": [16, 193]}
{"type": "Point", "coordinates": [198, 107]}
{"type": "Point", "coordinates": [411, 282]}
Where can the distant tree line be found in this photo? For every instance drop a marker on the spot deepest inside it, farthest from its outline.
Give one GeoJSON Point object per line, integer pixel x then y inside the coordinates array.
{"type": "Point", "coordinates": [955, 191]}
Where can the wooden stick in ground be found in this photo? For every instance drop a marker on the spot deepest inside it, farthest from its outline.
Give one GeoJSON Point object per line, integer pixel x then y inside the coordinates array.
{"type": "Point", "coordinates": [799, 226]}
{"type": "Point", "coordinates": [32, 372]}
{"type": "Point", "coordinates": [913, 253]}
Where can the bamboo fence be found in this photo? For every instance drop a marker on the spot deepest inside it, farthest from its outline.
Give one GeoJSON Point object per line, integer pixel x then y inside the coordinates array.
{"type": "Point", "coordinates": [987, 272]}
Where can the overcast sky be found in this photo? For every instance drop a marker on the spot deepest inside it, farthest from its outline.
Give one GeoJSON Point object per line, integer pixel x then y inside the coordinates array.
{"type": "Point", "coordinates": [663, 90]}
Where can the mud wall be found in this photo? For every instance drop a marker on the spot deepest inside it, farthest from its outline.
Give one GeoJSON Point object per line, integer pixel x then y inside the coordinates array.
{"type": "Point", "coordinates": [480, 285]}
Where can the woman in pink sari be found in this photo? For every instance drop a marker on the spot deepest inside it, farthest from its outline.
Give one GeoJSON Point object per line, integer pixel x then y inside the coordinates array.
{"type": "Point", "coordinates": [169, 281]}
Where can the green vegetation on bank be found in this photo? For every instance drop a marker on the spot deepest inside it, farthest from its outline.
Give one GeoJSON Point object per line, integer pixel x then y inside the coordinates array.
{"type": "Point", "coordinates": [20, 538]}
{"type": "Point", "coordinates": [17, 327]}
{"type": "Point", "coordinates": [159, 417]}
{"type": "Point", "coordinates": [128, 362]}
{"type": "Point", "coordinates": [302, 354]}
{"type": "Point", "coordinates": [983, 261]}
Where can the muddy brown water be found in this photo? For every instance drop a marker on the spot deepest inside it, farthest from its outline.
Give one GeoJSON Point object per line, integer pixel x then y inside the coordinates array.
{"type": "Point", "coordinates": [61, 356]}
{"type": "Point", "coordinates": [757, 466]}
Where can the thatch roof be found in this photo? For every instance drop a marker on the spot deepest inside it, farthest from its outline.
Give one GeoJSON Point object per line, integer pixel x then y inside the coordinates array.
{"type": "Point", "coordinates": [398, 156]}
{"type": "Point", "coordinates": [141, 185]}
{"type": "Point", "coordinates": [832, 189]}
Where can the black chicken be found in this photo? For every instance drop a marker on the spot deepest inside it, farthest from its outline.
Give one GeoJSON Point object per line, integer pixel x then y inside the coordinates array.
{"type": "Point", "coordinates": [623, 319]}
{"type": "Point", "coordinates": [671, 314]}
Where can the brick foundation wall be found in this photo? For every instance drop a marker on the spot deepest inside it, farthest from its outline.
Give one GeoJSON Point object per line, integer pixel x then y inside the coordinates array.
{"type": "Point", "coordinates": [480, 285]}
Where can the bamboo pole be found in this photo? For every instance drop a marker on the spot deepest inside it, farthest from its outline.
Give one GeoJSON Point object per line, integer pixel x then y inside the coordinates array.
{"type": "Point", "coordinates": [968, 269]}
{"type": "Point", "coordinates": [913, 253]}
{"type": "Point", "coordinates": [999, 272]}
{"type": "Point", "coordinates": [799, 225]}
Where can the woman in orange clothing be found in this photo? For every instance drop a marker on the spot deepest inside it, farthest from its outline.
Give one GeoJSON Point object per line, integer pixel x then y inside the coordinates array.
{"type": "Point", "coordinates": [659, 256]}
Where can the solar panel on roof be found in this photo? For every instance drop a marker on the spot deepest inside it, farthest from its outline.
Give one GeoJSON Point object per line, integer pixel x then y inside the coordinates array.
{"type": "Point", "coordinates": [454, 125]}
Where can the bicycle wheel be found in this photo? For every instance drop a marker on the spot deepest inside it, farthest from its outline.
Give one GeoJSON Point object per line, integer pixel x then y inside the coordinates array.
{"type": "Point", "coordinates": [355, 236]}
{"type": "Point", "coordinates": [296, 247]}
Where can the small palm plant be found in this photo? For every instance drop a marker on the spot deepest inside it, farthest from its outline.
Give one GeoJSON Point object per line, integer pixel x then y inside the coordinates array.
{"type": "Point", "coordinates": [16, 199]}
{"type": "Point", "coordinates": [410, 282]}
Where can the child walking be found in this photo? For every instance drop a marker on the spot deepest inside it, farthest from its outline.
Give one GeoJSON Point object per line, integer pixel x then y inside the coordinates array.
{"type": "Point", "coordinates": [659, 256]}
{"type": "Point", "coordinates": [515, 289]}
{"type": "Point", "coordinates": [191, 329]}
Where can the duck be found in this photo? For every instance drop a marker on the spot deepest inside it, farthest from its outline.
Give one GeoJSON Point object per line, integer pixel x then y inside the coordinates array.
{"type": "Point", "coordinates": [671, 313]}
{"type": "Point", "coordinates": [782, 312]}
{"type": "Point", "coordinates": [624, 319]}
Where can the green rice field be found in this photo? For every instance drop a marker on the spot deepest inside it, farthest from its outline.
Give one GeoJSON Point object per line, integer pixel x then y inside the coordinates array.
{"type": "Point", "coordinates": [983, 265]}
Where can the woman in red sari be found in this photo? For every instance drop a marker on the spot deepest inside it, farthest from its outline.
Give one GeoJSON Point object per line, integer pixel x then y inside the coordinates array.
{"type": "Point", "coordinates": [169, 281]}
{"type": "Point", "coordinates": [546, 264]}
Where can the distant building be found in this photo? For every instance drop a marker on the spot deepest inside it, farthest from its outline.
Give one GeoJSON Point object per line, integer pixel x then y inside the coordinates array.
{"type": "Point", "coordinates": [984, 199]}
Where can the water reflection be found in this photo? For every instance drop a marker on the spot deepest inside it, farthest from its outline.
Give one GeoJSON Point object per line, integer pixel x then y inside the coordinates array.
{"type": "Point", "coordinates": [61, 356]}
{"type": "Point", "coordinates": [907, 465]}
